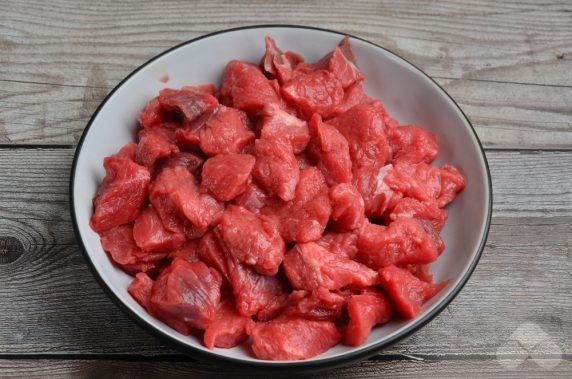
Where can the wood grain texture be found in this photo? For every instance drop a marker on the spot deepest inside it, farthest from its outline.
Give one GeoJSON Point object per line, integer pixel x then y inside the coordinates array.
{"type": "Point", "coordinates": [507, 64]}
{"type": "Point", "coordinates": [52, 305]}
{"type": "Point", "coordinates": [367, 369]}
{"type": "Point", "coordinates": [510, 41]}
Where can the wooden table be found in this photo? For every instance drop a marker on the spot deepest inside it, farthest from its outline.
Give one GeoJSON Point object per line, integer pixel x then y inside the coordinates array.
{"type": "Point", "coordinates": [508, 65]}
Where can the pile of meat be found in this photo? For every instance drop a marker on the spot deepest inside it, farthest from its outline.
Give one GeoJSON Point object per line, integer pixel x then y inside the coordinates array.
{"type": "Point", "coordinates": [285, 205]}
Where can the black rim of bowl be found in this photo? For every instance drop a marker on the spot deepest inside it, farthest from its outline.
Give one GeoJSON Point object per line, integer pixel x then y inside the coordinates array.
{"type": "Point", "coordinates": [325, 363]}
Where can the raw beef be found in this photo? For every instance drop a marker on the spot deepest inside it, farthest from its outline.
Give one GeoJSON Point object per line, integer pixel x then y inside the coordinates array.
{"type": "Point", "coordinates": [150, 234]}
{"type": "Point", "coordinates": [287, 206]}
{"type": "Point", "coordinates": [277, 123]}
{"type": "Point", "coordinates": [292, 338]}
{"type": "Point", "coordinates": [226, 176]}
{"type": "Point", "coordinates": [329, 151]}
{"type": "Point", "coordinates": [121, 195]}
{"type": "Point", "coordinates": [404, 241]}
{"type": "Point", "coordinates": [245, 87]}
{"type": "Point", "coordinates": [365, 311]}
{"type": "Point", "coordinates": [407, 293]}
{"type": "Point", "coordinates": [121, 246]}
{"type": "Point", "coordinates": [348, 208]}
{"type": "Point", "coordinates": [305, 218]}
{"type": "Point", "coordinates": [176, 198]}
{"type": "Point", "coordinates": [186, 295]}
{"type": "Point", "coordinates": [228, 328]}
{"type": "Point", "coordinates": [276, 168]}
{"type": "Point", "coordinates": [251, 239]}
{"type": "Point", "coordinates": [277, 63]}
{"type": "Point", "coordinates": [309, 266]}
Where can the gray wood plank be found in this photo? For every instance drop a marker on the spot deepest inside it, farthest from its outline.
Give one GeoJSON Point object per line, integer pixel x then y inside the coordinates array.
{"type": "Point", "coordinates": [520, 42]}
{"type": "Point", "coordinates": [51, 303]}
{"type": "Point", "coordinates": [508, 65]}
{"type": "Point", "coordinates": [368, 369]}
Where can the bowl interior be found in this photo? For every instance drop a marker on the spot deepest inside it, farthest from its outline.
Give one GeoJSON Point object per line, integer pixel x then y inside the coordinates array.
{"type": "Point", "coordinates": [410, 96]}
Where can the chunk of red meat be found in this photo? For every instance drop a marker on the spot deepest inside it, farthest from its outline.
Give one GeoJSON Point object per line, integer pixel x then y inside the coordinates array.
{"type": "Point", "coordinates": [221, 130]}
{"type": "Point", "coordinates": [309, 266]}
{"type": "Point", "coordinates": [347, 208]}
{"type": "Point", "coordinates": [153, 114]}
{"type": "Point", "coordinates": [245, 87]}
{"type": "Point", "coordinates": [190, 161]}
{"type": "Point", "coordinates": [407, 293]}
{"type": "Point", "coordinates": [428, 212]}
{"type": "Point", "coordinates": [150, 234]}
{"type": "Point", "coordinates": [452, 182]}
{"type": "Point", "coordinates": [344, 244]}
{"type": "Point", "coordinates": [314, 92]}
{"type": "Point", "coordinates": [210, 252]}
{"type": "Point", "coordinates": [189, 103]}
{"type": "Point", "coordinates": [273, 308]}
{"type": "Point", "coordinates": [329, 150]}
{"type": "Point", "coordinates": [365, 311]}
{"type": "Point", "coordinates": [122, 193]}
{"type": "Point", "coordinates": [165, 130]}
{"type": "Point", "coordinates": [277, 123]}
{"type": "Point", "coordinates": [228, 328]}
{"type": "Point", "coordinates": [251, 239]}
{"type": "Point", "coordinates": [305, 218]}
{"type": "Point", "coordinates": [276, 168]}
{"type": "Point", "coordinates": [186, 295]}
{"type": "Point", "coordinates": [187, 252]}
{"type": "Point", "coordinates": [226, 176]}
{"type": "Point", "coordinates": [389, 122]}
{"type": "Point", "coordinates": [363, 127]}
{"type": "Point", "coordinates": [128, 151]}
{"type": "Point", "coordinates": [412, 144]}
{"type": "Point", "coordinates": [341, 63]}
{"type": "Point", "coordinates": [292, 338]}
{"type": "Point", "coordinates": [420, 271]}
{"type": "Point", "coordinates": [188, 137]}
{"type": "Point", "coordinates": [252, 292]}
{"type": "Point", "coordinates": [226, 131]}
{"type": "Point", "coordinates": [353, 95]}
{"type": "Point", "coordinates": [420, 181]}
{"type": "Point", "coordinates": [121, 246]}
{"type": "Point", "coordinates": [141, 288]}
{"type": "Point", "coordinates": [346, 49]}
{"type": "Point", "coordinates": [404, 241]}
{"type": "Point", "coordinates": [421, 210]}
{"type": "Point", "coordinates": [431, 216]}
{"type": "Point", "coordinates": [319, 304]}
{"type": "Point", "coordinates": [376, 193]}
{"type": "Point", "coordinates": [253, 198]}
{"type": "Point", "coordinates": [176, 198]}
{"type": "Point", "coordinates": [306, 221]}
{"type": "Point", "coordinates": [277, 63]}
{"type": "Point", "coordinates": [312, 183]}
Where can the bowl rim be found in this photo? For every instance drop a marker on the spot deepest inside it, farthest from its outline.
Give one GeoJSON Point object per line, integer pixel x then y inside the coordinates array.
{"type": "Point", "coordinates": [325, 363]}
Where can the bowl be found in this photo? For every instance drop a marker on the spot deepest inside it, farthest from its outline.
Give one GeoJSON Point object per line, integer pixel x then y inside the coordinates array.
{"type": "Point", "coordinates": [410, 96]}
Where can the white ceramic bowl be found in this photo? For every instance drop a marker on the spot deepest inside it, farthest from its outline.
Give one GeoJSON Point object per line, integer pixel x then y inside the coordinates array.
{"type": "Point", "coordinates": [409, 94]}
